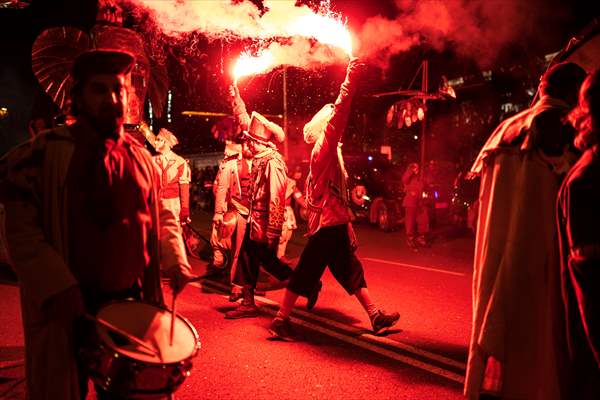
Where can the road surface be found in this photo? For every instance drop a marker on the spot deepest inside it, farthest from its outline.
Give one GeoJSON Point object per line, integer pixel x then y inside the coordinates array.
{"type": "Point", "coordinates": [423, 357]}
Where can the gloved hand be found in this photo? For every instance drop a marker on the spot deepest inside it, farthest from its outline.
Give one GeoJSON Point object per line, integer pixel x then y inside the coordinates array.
{"type": "Point", "coordinates": [234, 92]}
{"type": "Point", "coordinates": [238, 107]}
{"type": "Point", "coordinates": [354, 72]}
{"type": "Point", "coordinates": [218, 219]}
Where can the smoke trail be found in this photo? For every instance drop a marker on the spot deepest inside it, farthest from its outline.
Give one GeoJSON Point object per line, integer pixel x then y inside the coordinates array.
{"type": "Point", "coordinates": [215, 19]}
{"type": "Point", "coordinates": [302, 53]}
{"type": "Point", "coordinates": [477, 29]}
{"type": "Point", "coordinates": [225, 19]}
{"type": "Point", "coordinates": [381, 38]}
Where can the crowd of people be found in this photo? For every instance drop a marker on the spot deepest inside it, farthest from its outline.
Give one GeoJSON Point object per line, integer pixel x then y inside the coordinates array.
{"type": "Point", "coordinates": [91, 217]}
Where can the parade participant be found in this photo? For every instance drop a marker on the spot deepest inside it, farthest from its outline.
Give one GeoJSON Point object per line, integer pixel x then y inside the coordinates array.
{"type": "Point", "coordinates": [331, 238]}
{"type": "Point", "coordinates": [220, 239]}
{"type": "Point", "coordinates": [267, 204]}
{"type": "Point", "coordinates": [416, 220]}
{"type": "Point", "coordinates": [289, 219]}
{"type": "Point", "coordinates": [232, 208]}
{"type": "Point", "coordinates": [578, 222]}
{"type": "Point", "coordinates": [175, 176]}
{"type": "Point", "coordinates": [516, 290]}
{"type": "Point", "coordinates": [81, 218]}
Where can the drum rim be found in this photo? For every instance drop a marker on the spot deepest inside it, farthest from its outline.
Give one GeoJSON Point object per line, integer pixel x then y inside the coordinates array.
{"type": "Point", "coordinates": [197, 343]}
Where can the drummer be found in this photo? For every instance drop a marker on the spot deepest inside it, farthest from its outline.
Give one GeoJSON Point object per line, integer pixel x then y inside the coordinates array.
{"type": "Point", "coordinates": [81, 218]}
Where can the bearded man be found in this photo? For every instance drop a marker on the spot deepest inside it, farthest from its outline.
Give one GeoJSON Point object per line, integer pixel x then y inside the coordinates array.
{"type": "Point", "coordinates": [82, 217]}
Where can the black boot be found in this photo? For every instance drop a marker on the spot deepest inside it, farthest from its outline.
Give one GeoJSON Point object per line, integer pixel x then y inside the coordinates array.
{"type": "Point", "coordinates": [247, 308]}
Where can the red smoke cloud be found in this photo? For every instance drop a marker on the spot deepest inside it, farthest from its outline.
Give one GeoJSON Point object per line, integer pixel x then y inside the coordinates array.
{"type": "Point", "coordinates": [477, 29]}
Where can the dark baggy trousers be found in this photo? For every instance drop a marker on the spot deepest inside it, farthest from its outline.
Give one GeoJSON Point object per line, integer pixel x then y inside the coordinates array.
{"type": "Point", "coordinates": [330, 246]}
{"type": "Point", "coordinates": [254, 255]}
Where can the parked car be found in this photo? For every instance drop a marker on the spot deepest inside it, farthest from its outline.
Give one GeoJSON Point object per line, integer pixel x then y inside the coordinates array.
{"type": "Point", "coordinates": [376, 190]}
{"type": "Point", "coordinates": [439, 189]}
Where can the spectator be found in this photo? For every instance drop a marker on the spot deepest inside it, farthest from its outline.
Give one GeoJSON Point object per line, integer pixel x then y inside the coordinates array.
{"type": "Point", "coordinates": [578, 223]}
{"type": "Point", "coordinates": [416, 219]}
{"type": "Point", "coordinates": [513, 352]}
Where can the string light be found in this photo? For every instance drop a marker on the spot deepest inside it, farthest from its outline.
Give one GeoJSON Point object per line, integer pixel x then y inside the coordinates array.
{"type": "Point", "coordinates": [150, 115]}
{"type": "Point", "coordinates": [169, 105]}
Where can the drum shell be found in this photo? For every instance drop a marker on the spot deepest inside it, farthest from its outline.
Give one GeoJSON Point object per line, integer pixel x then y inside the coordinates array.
{"type": "Point", "coordinates": [118, 373]}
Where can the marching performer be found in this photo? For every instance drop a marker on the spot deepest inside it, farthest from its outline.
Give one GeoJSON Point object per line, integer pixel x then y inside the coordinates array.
{"type": "Point", "coordinates": [267, 204]}
{"type": "Point", "coordinates": [175, 176]}
{"type": "Point", "coordinates": [232, 207]}
{"type": "Point", "coordinates": [289, 219]}
{"type": "Point", "coordinates": [331, 242]}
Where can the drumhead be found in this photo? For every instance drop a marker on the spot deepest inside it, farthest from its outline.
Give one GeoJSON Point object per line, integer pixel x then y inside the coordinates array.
{"type": "Point", "coordinates": [150, 324]}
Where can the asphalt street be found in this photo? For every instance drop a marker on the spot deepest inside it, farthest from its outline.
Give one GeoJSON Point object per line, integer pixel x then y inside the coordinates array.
{"type": "Point", "coordinates": [423, 357]}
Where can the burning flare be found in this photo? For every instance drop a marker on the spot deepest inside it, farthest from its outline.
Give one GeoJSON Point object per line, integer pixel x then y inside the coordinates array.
{"type": "Point", "coordinates": [249, 65]}
{"type": "Point", "coordinates": [325, 29]}
{"type": "Point", "coordinates": [293, 34]}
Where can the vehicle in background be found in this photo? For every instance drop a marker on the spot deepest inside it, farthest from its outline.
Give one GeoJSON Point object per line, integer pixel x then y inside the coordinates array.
{"type": "Point", "coordinates": [374, 187]}
{"type": "Point", "coordinates": [376, 190]}
{"type": "Point", "coordinates": [438, 190]}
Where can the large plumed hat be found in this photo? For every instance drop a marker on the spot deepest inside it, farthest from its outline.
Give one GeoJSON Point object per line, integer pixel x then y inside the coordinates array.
{"type": "Point", "coordinates": [316, 126]}
{"type": "Point", "coordinates": [168, 137]}
{"type": "Point", "coordinates": [264, 131]}
{"type": "Point", "coordinates": [93, 62]}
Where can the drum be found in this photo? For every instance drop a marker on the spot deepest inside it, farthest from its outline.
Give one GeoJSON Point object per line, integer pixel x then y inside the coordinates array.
{"type": "Point", "coordinates": [130, 353]}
